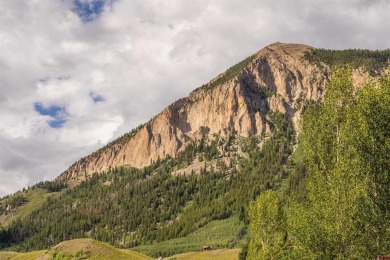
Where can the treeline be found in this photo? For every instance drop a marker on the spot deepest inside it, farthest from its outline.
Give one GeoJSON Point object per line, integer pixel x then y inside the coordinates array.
{"type": "Point", "coordinates": [51, 186]}
{"type": "Point", "coordinates": [373, 61]}
{"type": "Point", "coordinates": [337, 202]}
{"type": "Point", "coordinates": [128, 207]}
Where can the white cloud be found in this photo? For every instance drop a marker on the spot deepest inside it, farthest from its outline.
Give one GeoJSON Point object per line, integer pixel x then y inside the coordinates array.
{"type": "Point", "coordinates": [138, 57]}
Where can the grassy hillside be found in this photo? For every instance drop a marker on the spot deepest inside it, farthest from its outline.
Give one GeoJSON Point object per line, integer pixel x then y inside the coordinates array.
{"type": "Point", "coordinates": [22, 204]}
{"type": "Point", "coordinates": [77, 249]}
{"type": "Point", "coordinates": [91, 249]}
{"type": "Point", "coordinates": [220, 254]}
{"type": "Point", "coordinates": [218, 234]}
{"type": "Point", "coordinates": [21, 256]}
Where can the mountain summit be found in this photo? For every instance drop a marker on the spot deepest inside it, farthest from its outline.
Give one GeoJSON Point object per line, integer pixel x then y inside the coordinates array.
{"type": "Point", "coordinates": [275, 79]}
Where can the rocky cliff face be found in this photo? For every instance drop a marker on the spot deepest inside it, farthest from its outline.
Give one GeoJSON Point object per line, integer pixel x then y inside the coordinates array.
{"type": "Point", "coordinates": [275, 79]}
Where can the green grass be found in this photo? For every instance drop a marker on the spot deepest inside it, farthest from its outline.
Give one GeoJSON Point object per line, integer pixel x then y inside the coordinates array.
{"type": "Point", "coordinates": [221, 254]}
{"type": "Point", "coordinates": [90, 249]}
{"type": "Point", "coordinates": [35, 199]}
{"type": "Point", "coordinates": [77, 249]}
{"type": "Point", "coordinates": [21, 256]}
{"type": "Point", "coordinates": [218, 234]}
{"type": "Point", "coordinates": [29, 256]}
{"type": "Point", "coordinates": [297, 155]}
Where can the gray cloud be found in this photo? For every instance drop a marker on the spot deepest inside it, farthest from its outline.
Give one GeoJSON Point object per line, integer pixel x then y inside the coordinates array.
{"type": "Point", "coordinates": [140, 56]}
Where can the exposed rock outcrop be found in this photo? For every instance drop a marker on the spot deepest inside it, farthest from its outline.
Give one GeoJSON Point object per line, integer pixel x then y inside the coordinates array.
{"type": "Point", "coordinates": [276, 79]}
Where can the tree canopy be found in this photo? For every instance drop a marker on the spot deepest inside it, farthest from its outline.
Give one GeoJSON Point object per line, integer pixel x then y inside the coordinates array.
{"type": "Point", "coordinates": [342, 211]}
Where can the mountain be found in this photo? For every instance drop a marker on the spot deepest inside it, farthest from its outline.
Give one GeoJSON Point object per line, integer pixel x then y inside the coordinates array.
{"type": "Point", "coordinates": [187, 177]}
{"type": "Point", "coordinates": [275, 79]}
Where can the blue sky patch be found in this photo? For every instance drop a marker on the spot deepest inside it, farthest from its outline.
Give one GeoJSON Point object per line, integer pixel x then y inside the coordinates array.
{"type": "Point", "coordinates": [88, 10]}
{"type": "Point", "coordinates": [96, 98]}
{"type": "Point", "coordinates": [57, 113]}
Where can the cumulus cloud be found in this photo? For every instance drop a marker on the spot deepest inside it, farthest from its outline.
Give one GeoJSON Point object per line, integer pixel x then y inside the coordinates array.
{"type": "Point", "coordinates": [74, 74]}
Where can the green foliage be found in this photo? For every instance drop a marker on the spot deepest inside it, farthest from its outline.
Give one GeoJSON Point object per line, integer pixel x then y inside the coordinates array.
{"type": "Point", "coordinates": [345, 213]}
{"type": "Point", "coordinates": [28, 201]}
{"type": "Point", "coordinates": [209, 151]}
{"type": "Point", "coordinates": [14, 202]}
{"type": "Point", "coordinates": [337, 198]}
{"type": "Point", "coordinates": [267, 231]}
{"type": "Point", "coordinates": [51, 186]}
{"type": "Point", "coordinates": [217, 233]}
{"type": "Point", "coordinates": [368, 129]}
{"type": "Point", "coordinates": [373, 61]}
{"type": "Point", "coordinates": [284, 128]}
{"type": "Point", "coordinates": [10, 205]}
{"type": "Point", "coordinates": [244, 252]}
{"type": "Point", "coordinates": [249, 144]}
{"type": "Point", "coordinates": [297, 181]}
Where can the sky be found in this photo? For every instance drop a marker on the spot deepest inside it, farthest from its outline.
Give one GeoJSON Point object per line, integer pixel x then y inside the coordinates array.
{"type": "Point", "coordinates": [76, 74]}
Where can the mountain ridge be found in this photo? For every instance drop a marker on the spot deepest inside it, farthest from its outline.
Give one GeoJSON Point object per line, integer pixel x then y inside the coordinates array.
{"type": "Point", "coordinates": [274, 79]}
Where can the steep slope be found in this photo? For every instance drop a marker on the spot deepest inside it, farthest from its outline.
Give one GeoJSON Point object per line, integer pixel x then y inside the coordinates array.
{"type": "Point", "coordinates": [275, 79]}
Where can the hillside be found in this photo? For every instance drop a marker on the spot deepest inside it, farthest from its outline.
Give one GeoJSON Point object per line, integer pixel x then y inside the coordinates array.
{"type": "Point", "coordinates": [91, 249]}
{"type": "Point", "coordinates": [226, 233]}
{"type": "Point", "coordinates": [221, 254]}
{"type": "Point", "coordinates": [189, 176]}
{"type": "Point", "coordinates": [77, 249]}
{"type": "Point", "coordinates": [23, 203]}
